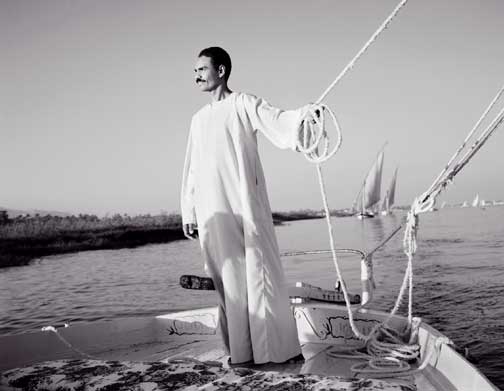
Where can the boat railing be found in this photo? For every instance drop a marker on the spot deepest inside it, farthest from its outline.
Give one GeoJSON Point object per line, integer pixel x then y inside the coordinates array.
{"type": "Point", "coordinates": [362, 254]}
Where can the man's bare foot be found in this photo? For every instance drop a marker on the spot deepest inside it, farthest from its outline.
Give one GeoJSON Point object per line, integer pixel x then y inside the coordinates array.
{"type": "Point", "coordinates": [245, 363]}
{"type": "Point", "coordinates": [295, 360]}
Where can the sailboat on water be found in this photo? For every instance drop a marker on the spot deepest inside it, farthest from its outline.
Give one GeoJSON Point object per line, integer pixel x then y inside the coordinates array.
{"type": "Point", "coordinates": [368, 197]}
{"type": "Point", "coordinates": [475, 202]}
{"type": "Point", "coordinates": [389, 198]}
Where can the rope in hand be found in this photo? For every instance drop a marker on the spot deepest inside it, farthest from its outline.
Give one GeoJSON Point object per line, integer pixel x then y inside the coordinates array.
{"type": "Point", "coordinates": [314, 143]}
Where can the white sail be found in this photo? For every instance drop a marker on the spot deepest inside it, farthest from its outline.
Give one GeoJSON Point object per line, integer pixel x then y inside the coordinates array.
{"type": "Point", "coordinates": [385, 203]}
{"type": "Point", "coordinates": [372, 185]}
{"type": "Point", "coordinates": [443, 204]}
{"type": "Point", "coordinates": [391, 190]}
{"type": "Point", "coordinates": [476, 200]}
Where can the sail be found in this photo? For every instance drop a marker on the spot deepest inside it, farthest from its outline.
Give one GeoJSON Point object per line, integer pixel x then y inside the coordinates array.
{"type": "Point", "coordinates": [476, 200]}
{"type": "Point", "coordinates": [372, 184]}
{"type": "Point", "coordinates": [391, 190]}
{"type": "Point", "coordinates": [357, 204]}
{"type": "Point", "coordinates": [385, 203]}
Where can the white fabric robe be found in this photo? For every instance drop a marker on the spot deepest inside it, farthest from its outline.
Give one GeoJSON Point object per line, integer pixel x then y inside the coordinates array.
{"type": "Point", "coordinates": [224, 192]}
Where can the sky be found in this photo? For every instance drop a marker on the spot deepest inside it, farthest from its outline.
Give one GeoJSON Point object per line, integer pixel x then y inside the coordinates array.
{"type": "Point", "coordinates": [96, 96]}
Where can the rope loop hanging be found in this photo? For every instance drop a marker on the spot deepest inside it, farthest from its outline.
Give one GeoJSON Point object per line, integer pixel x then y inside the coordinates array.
{"type": "Point", "coordinates": [314, 141]}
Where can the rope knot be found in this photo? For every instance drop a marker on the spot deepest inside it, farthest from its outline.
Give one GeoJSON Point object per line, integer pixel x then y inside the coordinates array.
{"type": "Point", "coordinates": [421, 204]}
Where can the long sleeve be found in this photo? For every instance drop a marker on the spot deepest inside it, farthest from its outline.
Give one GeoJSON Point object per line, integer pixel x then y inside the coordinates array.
{"type": "Point", "coordinates": [281, 127]}
{"type": "Point", "coordinates": [188, 186]}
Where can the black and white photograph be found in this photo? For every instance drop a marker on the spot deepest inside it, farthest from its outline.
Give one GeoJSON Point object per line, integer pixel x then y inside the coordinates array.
{"type": "Point", "coordinates": [264, 195]}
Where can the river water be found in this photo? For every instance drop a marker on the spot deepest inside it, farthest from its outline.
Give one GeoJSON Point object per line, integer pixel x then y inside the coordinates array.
{"type": "Point", "coordinates": [458, 281]}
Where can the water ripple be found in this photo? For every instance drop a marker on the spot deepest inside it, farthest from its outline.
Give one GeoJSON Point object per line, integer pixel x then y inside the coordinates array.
{"type": "Point", "coordinates": [458, 278]}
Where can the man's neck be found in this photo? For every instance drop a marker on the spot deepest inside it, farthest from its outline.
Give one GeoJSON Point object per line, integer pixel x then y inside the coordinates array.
{"type": "Point", "coordinates": [220, 93]}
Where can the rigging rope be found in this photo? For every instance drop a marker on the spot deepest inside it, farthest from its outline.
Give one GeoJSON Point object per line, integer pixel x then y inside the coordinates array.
{"type": "Point", "coordinates": [438, 181]}
{"type": "Point", "coordinates": [314, 143]}
{"type": "Point", "coordinates": [309, 143]}
{"type": "Point", "coordinates": [66, 343]}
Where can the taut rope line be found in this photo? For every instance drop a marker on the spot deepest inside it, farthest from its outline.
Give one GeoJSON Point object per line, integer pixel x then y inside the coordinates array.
{"type": "Point", "coordinates": [310, 141]}
{"type": "Point", "coordinates": [438, 181]}
{"type": "Point", "coordinates": [310, 145]}
{"type": "Point", "coordinates": [352, 62]}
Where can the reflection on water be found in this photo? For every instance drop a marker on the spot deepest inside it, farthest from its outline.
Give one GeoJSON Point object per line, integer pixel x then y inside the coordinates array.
{"type": "Point", "coordinates": [458, 277]}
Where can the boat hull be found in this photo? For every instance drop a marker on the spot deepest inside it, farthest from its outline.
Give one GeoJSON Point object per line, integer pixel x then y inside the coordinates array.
{"type": "Point", "coordinates": [365, 215]}
{"type": "Point", "coordinates": [320, 326]}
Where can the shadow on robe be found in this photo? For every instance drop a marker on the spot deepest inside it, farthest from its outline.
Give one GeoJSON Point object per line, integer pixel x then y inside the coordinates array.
{"type": "Point", "coordinates": [242, 258]}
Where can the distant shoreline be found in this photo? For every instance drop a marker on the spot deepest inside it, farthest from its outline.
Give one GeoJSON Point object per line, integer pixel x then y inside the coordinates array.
{"type": "Point", "coordinates": [25, 238]}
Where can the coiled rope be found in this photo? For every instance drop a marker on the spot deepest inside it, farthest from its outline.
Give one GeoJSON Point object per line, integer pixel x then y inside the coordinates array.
{"type": "Point", "coordinates": [386, 358]}
{"type": "Point", "coordinates": [387, 351]}
{"type": "Point", "coordinates": [314, 143]}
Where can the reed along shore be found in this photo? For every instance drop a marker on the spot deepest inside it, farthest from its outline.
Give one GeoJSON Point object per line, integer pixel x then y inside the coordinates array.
{"type": "Point", "coordinates": [25, 238]}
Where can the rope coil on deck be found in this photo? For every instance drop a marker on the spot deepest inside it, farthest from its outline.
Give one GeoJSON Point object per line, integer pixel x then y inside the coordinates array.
{"type": "Point", "coordinates": [313, 142]}
{"type": "Point", "coordinates": [387, 351]}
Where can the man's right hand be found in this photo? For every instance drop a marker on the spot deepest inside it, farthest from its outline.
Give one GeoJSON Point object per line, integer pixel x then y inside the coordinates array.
{"type": "Point", "coordinates": [190, 231]}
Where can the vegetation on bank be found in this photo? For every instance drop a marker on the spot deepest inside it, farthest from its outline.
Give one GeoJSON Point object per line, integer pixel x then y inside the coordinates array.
{"type": "Point", "coordinates": [24, 238]}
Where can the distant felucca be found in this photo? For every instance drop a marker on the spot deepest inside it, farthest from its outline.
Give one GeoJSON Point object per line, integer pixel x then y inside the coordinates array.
{"type": "Point", "coordinates": [368, 196]}
{"type": "Point", "coordinates": [389, 198]}
{"type": "Point", "coordinates": [475, 202]}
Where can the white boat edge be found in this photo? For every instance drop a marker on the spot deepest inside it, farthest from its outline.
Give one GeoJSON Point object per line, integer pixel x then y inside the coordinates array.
{"type": "Point", "coordinates": [327, 323]}
{"type": "Point", "coordinates": [319, 325]}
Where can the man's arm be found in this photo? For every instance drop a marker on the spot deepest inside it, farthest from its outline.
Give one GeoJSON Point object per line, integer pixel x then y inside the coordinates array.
{"type": "Point", "coordinates": [281, 127]}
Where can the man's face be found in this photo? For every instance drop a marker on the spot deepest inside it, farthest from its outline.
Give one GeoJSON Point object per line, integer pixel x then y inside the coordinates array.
{"type": "Point", "coordinates": [206, 76]}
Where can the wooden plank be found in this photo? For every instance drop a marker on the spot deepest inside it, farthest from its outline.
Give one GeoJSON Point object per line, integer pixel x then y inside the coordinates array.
{"type": "Point", "coordinates": [303, 290]}
{"type": "Point", "coordinates": [188, 281]}
{"type": "Point", "coordinates": [298, 293]}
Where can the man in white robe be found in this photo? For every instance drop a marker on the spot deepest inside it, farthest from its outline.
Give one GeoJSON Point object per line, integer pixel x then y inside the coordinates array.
{"type": "Point", "coordinates": [224, 195]}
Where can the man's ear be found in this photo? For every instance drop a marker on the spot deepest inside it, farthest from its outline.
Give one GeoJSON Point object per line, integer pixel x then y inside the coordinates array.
{"type": "Point", "coordinates": [221, 71]}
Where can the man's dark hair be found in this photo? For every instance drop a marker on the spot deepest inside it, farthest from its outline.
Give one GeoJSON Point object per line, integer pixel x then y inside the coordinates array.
{"type": "Point", "coordinates": [219, 57]}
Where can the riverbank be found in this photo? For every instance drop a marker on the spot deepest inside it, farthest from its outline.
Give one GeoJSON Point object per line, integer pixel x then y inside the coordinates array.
{"type": "Point", "coordinates": [25, 238]}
